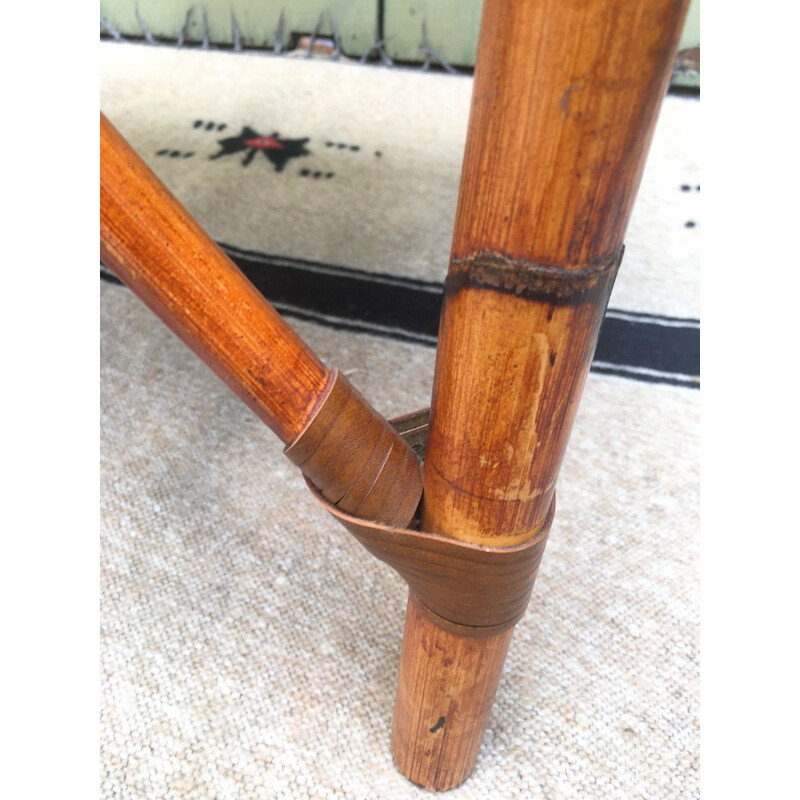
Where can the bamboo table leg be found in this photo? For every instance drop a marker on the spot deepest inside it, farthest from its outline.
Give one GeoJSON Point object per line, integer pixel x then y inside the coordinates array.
{"type": "Point", "coordinates": [565, 100]}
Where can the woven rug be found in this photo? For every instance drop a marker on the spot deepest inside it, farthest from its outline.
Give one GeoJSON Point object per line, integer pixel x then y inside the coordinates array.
{"type": "Point", "coordinates": [249, 648]}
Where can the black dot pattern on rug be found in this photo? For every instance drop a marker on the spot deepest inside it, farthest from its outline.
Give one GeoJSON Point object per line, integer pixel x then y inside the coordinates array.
{"type": "Point", "coordinates": [209, 126]}
{"type": "Point", "coordinates": [175, 153]}
{"type": "Point", "coordinates": [344, 146]}
{"type": "Point", "coordinates": [685, 187]}
{"type": "Point", "coordinates": [307, 173]}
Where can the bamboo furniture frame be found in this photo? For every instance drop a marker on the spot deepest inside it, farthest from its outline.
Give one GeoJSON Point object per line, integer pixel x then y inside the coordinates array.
{"type": "Point", "coordinates": [564, 105]}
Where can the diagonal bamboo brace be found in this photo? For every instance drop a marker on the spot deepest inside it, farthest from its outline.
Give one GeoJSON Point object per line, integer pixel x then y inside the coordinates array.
{"type": "Point", "coordinates": [163, 255]}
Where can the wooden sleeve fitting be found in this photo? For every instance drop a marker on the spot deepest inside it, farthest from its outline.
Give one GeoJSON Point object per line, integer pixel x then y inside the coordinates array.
{"type": "Point", "coordinates": [356, 459]}
{"type": "Point", "coordinates": [463, 588]}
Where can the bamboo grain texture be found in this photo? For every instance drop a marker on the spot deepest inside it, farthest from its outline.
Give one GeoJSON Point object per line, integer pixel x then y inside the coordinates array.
{"type": "Point", "coordinates": [152, 244]}
{"type": "Point", "coordinates": [565, 100]}
{"type": "Point", "coordinates": [332, 433]}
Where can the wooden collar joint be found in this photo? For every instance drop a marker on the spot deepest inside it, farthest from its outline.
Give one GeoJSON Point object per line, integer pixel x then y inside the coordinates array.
{"type": "Point", "coordinates": [356, 459]}
{"type": "Point", "coordinates": [466, 589]}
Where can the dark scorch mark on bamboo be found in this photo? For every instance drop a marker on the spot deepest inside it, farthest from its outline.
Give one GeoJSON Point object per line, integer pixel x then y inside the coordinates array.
{"type": "Point", "coordinates": [439, 724]}
{"type": "Point", "coordinates": [559, 286]}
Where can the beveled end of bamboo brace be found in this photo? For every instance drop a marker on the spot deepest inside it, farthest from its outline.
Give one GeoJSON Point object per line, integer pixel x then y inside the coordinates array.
{"type": "Point", "coordinates": [356, 459]}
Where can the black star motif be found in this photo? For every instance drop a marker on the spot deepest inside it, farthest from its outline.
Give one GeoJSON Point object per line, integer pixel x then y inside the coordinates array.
{"type": "Point", "coordinates": [278, 151]}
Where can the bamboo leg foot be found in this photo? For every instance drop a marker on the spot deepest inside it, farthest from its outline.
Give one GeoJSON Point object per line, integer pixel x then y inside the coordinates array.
{"type": "Point", "coordinates": [445, 690]}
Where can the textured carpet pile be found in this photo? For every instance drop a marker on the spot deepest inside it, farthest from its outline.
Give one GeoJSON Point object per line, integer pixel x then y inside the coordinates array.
{"type": "Point", "coordinates": [249, 648]}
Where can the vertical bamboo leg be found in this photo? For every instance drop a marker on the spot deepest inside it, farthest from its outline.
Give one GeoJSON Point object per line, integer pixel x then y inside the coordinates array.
{"type": "Point", "coordinates": [565, 101]}
{"type": "Point", "coordinates": [445, 691]}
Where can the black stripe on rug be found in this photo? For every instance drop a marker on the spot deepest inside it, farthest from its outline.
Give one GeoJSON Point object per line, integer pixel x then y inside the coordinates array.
{"type": "Point", "coordinates": [635, 345]}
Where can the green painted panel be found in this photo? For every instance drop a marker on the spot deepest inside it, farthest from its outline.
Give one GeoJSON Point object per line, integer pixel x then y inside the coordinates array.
{"type": "Point", "coordinates": [257, 20]}
{"type": "Point", "coordinates": [691, 29]}
{"type": "Point", "coordinates": [452, 27]}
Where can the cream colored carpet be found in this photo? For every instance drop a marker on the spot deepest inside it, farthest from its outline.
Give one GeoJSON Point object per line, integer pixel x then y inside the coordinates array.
{"type": "Point", "coordinates": [249, 648]}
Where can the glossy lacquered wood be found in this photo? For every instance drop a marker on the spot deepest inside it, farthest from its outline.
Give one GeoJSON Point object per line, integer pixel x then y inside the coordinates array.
{"type": "Point", "coordinates": [565, 99]}
{"type": "Point", "coordinates": [149, 240]}
{"type": "Point", "coordinates": [564, 105]}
